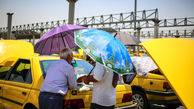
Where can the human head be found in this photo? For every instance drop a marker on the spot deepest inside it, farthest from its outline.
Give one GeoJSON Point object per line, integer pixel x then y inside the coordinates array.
{"type": "Point", "coordinates": [66, 54]}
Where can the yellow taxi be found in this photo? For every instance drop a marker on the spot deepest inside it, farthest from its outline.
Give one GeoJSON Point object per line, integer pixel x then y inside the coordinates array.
{"type": "Point", "coordinates": [153, 89]}
{"type": "Point", "coordinates": [175, 60]}
{"type": "Point", "coordinates": [21, 78]}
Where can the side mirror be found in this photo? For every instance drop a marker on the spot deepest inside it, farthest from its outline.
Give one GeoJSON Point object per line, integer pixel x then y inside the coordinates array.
{"type": "Point", "coordinates": [74, 63]}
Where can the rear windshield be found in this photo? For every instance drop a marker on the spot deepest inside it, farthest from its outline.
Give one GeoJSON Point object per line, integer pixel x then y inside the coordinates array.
{"type": "Point", "coordinates": [156, 71]}
{"type": "Point", "coordinates": [82, 67]}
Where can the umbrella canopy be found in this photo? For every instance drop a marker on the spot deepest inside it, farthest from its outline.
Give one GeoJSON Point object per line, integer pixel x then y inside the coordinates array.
{"type": "Point", "coordinates": [56, 39]}
{"type": "Point", "coordinates": [105, 49]}
{"type": "Point", "coordinates": [127, 39]}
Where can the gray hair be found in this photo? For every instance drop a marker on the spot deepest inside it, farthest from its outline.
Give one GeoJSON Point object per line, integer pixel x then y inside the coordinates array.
{"type": "Point", "coordinates": [65, 53]}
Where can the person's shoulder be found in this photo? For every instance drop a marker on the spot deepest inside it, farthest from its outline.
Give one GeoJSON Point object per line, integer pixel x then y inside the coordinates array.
{"type": "Point", "coordinates": [65, 64]}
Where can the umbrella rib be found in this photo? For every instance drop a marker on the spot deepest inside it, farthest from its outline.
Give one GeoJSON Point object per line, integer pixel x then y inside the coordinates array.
{"type": "Point", "coordinates": [63, 41]}
{"type": "Point", "coordinates": [52, 43]}
{"type": "Point", "coordinates": [44, 45]}
{"type": "Point", "coordinates": [59, 43]}
{"type": "Point", "coordinates": [66, 36]}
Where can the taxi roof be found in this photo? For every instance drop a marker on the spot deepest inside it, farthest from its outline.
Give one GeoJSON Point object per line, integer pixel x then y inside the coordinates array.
{"type": "Point", "coordinates": [175, 59]}
{"type": "Point", "coordinates": [14, 48]}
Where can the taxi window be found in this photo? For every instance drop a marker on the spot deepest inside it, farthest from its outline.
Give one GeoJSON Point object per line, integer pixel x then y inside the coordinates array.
{"type": "Point", "coordinates": [21, 72]}
{"type": "Point", "coordinates": [82, 67]}
{"type": "Point", "coordinates": [45, 65]}
{"type": "Point", "coordinates": [3, 71]}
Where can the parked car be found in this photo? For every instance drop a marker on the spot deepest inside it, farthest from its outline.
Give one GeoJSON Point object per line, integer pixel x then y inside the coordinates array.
{"type": "Point", "coordinates": [175, 60]}
{"type": "Point", "coordinates": [153, 89]}
{"type": "Point", "coordinates": [150, 86]}
{"type": "Point", "coordinates": [173, 80]}
{"type": "Point", "coordinates": [21, 78]}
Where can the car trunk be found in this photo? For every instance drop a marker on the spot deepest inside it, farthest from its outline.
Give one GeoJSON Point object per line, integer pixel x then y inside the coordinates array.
{"type": "Point", "coordinates": [86, 94]}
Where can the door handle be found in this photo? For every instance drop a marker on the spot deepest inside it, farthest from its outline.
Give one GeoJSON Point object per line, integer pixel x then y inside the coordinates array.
{"type": "Point", "coordinates": [24, 93]}
{"type": "Point", "coordinates": [0, 88]}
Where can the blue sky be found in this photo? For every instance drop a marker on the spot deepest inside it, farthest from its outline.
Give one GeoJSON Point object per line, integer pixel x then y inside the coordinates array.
{"type": "Point", "coordinates": [32, 11]}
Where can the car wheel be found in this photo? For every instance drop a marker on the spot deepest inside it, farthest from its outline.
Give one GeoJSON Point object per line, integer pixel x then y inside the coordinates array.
{"type": "Point", "coordinates": [141, 100]}
{"type": "Point", "coordinates": [32, 108]}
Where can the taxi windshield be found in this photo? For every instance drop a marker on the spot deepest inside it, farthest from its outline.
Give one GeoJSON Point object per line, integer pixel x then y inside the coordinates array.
{"type": "Point", "coordinates": [82, 67]}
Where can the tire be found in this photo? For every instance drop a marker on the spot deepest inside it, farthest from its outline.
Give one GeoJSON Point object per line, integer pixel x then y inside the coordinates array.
{"type": "Point", "coordinates": [141, 100]}
{"type": "Point", "coordinates": [32, 108]}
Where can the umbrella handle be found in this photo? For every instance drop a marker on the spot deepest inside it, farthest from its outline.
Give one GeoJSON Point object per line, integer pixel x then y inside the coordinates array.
{"type": "Point", "coordinates": [90, 72]}
{"type": "Point", "coordinates": [115, 35]}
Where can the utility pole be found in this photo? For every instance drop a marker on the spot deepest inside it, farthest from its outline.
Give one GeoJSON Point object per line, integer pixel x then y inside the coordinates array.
{"type": "Point", "coordinates": [71, 11]}
{"type": "Point", "coordinates": [9, 21]}
{"type": "Point", "coordinates": [135, 13]}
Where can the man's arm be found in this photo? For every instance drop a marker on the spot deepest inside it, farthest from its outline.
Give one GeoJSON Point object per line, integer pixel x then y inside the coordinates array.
{"type": "Point", "coordinates": [71, 79]}
{"type": "Point", "coordinates": [89, 78]}
{"type": "Point", "coordinates": [97, 75]}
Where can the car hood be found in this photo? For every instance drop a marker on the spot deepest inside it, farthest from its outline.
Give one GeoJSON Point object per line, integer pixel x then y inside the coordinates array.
{"type": "Point", "coordinates": [175, 59]}
{"type": "Point", "coordinates": [14, 48]}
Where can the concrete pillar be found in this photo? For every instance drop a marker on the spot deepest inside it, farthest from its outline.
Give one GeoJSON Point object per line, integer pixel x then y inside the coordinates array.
{"type": "Point", "coordinates": [71, 11]}
{"type": "Point", "coordinates": [162, 34]}
{"type": "Point", "coordinates": [156, 28]}
{"type": "Point", "coordinates": [166, 35]}
{"type": "Point", "coordinates": [142, 34]}
{"type": "Point", "coordinates": [177, 32]}
{"type": "Point", "coordinates": [133, 47]}
{"type": "Point", "coordinates": [192, 34]}
{"type": "Point", "coordinates": [169, 33]}
{"type": "Point", "coordinates": [148, 34]}
{"type": "Point", "coordinates": [13, 35]}
{"type": "Point", "coordinates": [33, 41]}
{"type": "Point", "coordinates": [129, 33]}
{"type": "Point", "coordinates": [9, 22]}
{"type": "Point", "coordinates": [185, 33]}
{"type": "Point", "coordinates": [138, 33]}
{"type": "Point", "coordinates": [41, 32]}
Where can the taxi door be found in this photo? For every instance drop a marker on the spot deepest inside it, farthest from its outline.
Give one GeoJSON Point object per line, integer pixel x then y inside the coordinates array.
{"type": "Point", "coordinates": [1, 93]}
{"type": "Point", "coordinates": [3, 72]}
{"type": "Point", "coordinates": [18, 85]}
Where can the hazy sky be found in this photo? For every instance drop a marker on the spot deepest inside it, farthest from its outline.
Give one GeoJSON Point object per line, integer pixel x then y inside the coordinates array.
{"type": "Point", "coordinates": [32, 11]}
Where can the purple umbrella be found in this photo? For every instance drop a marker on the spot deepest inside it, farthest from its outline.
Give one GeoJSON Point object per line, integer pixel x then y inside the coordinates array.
{"type": "Point", "coordinates": [56, 39]}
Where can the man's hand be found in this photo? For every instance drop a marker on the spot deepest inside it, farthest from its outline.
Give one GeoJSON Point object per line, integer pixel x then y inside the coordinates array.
{"type": "Point", "coordinates": [89, 79]}
{"type": "Point", "coordinates": [86, 80]}
{"type": "Point", "coordinates": [82, 78]}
